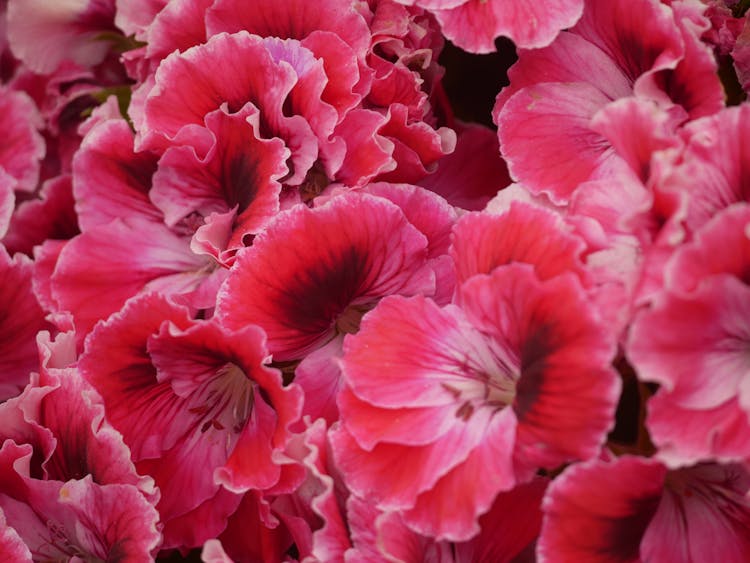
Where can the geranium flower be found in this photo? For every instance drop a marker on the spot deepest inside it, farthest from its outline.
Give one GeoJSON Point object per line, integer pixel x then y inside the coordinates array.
{"type": "Point", "coordinates": [200, 411]}
{"type": "Point", "coordinates": [635, 509]}
{"type": "Point", "coordinates": [515, 379]}
{"type": "Point", "coordinates": [693, 340]}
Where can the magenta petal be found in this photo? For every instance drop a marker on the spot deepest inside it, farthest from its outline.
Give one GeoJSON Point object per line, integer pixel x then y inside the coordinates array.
{"type": "Point", "coordinates": [111, 180]}
{"type": "Point", "coordinates": [436, 512]}
{"type": "Point", "coordinates": [413, 469]}
{"type": "Point", "coordinates": [510, 528]}
{"type": "Point", "coordinates": [704, 513]}
{"type": "Point", "coordinates": [721, 246]}
{"type": "Point", "coordinates": [295, 19]}
{"type": "Point", "coordinates": [546, 137]}
{"type": "Point", "coordinates": [312, 273]}
{"type": "Point", "coordinates": [694, 346]}
{"type": "Point", "coordinates": [22, 318]}
{"type": "Point", "coordinates": [598, 509]}
{"type": "Point", "coordinates": [688, 435]}
{"type": "Point", "coordinates": [51, 217]}
{"type": "Point", "coordinates": [99, 270]}
{"type": "Point", "coordinates": [368, 154]}
{"type": "Point", "coordinates": [23, 146]}
{"type": "Point", "coordinates": [12, 547]}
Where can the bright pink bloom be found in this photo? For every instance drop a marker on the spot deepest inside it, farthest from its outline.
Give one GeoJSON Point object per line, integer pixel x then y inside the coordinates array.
{"type": "Point", "coordinates": [474, 25]}
{"type": "Point", "coordinates": [508, 531]}
{"type": "Point", "coordinates": [432, 395]}
{"type": "Point", "coordinates": [313, 272]}
{"type": "Point", "coordinates": [197, 406]}
{"type": "Point", "coordinates": [98, 270]}
{"type": "Point", "coordinates": [634, 509]}
{"type": "Point", "coordinates": [67, 483]}
{"type": "Point", "coordinates": [693, 342]}
{"type": "Point", "coordinates": [526, 233]}
{"type": "Point", "coordinates": [75, 519]}
{"type": "Point", "coordinates": [547, 116]}
{"type": "Point", "coordinates": [282, 79]}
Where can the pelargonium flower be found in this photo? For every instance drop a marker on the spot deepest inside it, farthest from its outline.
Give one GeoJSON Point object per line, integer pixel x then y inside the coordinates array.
{"type": "Point", "coordinates": [198, 408]}
{"type": "Point", "coordinates": [693, 342]}
{"type": "Point", "coordinates": [273, 72]}
{"type": "Point", "coordinates": [617, 50]}
{"type": "Point", "coordinates": [111, 185]}
{"type": "Point", "coordinates": [515, 378]}
{"type": "Point", "coordinates": [67, 484]}
{"type": "Point", "coordinates": [635, 509]}
{"type": "Point", "coordinates": [313, 272]}
{"type": "Point", "coordinates": [508, 532]}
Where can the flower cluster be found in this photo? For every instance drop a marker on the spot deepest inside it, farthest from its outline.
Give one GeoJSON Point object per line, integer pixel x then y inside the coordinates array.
{"type": "Point", "coordinates": [266, 298]}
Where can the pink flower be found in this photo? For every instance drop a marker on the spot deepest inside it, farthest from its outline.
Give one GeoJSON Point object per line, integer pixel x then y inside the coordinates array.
{"type": "Point", "coordinates": [515, 379]}
{"type": "Point", "coordinates": [693, 342]}
{"type": "Point", "coordinates": [634, 509]}
{"type": "Point", "coordinates": [22, 318]}
{"type": "Point", "coordinates": [549, 118]}
{"type": "Point", "coordinates": [67, 485]}
{"type": "Point", "coordinates": [313, 272]}
{"type": "Point", "coordinates": [197, 406]}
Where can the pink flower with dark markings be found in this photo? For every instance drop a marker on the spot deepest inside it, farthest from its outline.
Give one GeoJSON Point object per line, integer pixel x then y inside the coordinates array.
{"type": "Point", "coordinates": [554, 125]}
{"type": "Point", "coordinates": [98, 270]}
{"type": "Point", "coordinates": [312, 273]}
{"type": "Point", "coordinates": [281, 78]}
{"type": "Point", "coordinates": [508, 532]}
{"type": "Point", "coordinates": [228, 177]}
{"type": "Point", "coordinates": [67, 484]}
{"type": "Point", "coordinates": [515, 378]}
{"type": "Point", "coordinates": [635, 509]}
{"type": "Point", "coordinates": [198, 408]}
